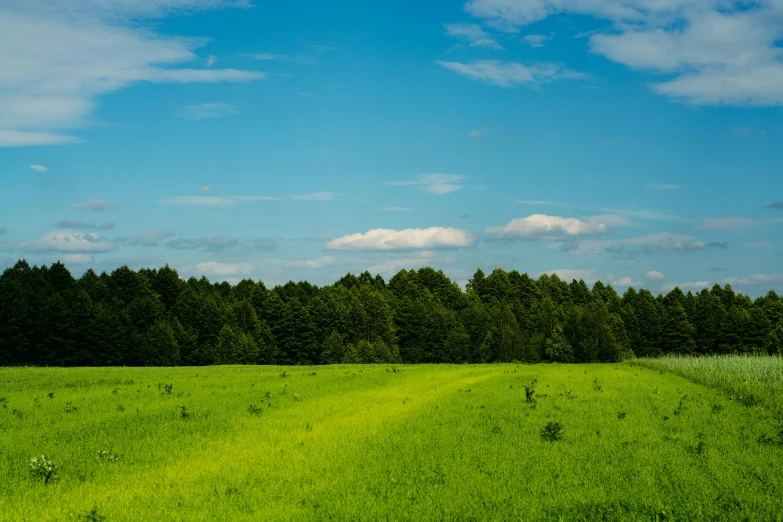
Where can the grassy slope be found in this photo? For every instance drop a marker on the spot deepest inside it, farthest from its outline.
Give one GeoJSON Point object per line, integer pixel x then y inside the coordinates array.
{"type": "Point", "coordinates": [430, 442]}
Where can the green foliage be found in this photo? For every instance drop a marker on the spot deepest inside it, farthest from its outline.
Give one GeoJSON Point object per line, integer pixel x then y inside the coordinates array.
{"type": "Point", "coordinates": [552, 432]}
{"type": "Point", "coordinates": [42, 468]}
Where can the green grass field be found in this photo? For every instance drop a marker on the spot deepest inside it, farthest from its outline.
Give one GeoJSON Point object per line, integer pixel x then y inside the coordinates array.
{"type": "Point", "coordinates": [369, 443]}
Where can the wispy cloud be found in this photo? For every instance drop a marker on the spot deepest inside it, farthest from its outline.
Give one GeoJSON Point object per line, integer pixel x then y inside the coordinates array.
{"type": "Point", "coordinates": [39, 168]}
{"type": "Point", "coordinates": [78, 224]}
{"type": "Point", "coordinates": [588, 275]}
{"type": "Point", "coordinates": [210, 244]}
{"type": "Point", "coordinates": [151, 237]}
{"type": "Point", "coordinates": [396, 209]}
{"type": "Point", "coordinates": [477, 133]}
{"type": "Point", "coordinates": [438, 184]}
{"type": "Point", "coordinates": [473, 34]}
{"type": "Point", "coordinates": [512, 74]}
{"type": "Point", "coordinates": [408, 239]}
{"type": "Point", "coordinates": [55, 76]}
{"type": "Point", "coordinates": [198, 201]}
{"type": "Point", "coordinates": [778, 205]}
{"type": "Point", "coordinates": [317, 196]}
{"type": "Point", "coordinates": [637, 213]}
{"type": "Point", "coordinates": [203, 111]}
{"type": "Point", "coordinates": [660, 186]}
{"type": "Point", "coordinates": [728, 223]}
{"type": "Point", "coordinates": [206, 188]}
{"type": "Point", "coordinates": [68, 241]}
{"type": "Point", "coordinates": [536, 40]}
{"type": "Point", "coordinates": [94, 205]}
{"type": "Point", "coordinates": [254, 198]}
{"type": "Point", "coordinates": [321, 262]}
{"type": "Point", "coordinates": [215, 268]}
{"type": "Point", "coordinates": [755, 279]}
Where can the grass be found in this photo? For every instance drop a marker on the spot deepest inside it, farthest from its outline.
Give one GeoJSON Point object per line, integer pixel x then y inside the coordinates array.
{"type": "Point", "coordinates": [752, 380]}
{"type": "Point", "coordinates": [598, 442]}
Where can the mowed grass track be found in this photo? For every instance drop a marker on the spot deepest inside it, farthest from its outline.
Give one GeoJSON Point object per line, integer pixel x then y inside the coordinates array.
{"type": "Point", "coordinates": [367, 443]}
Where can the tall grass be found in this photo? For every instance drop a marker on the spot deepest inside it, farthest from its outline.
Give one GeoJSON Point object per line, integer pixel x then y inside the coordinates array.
{"type": "Point", "coordinates": [752, 380]}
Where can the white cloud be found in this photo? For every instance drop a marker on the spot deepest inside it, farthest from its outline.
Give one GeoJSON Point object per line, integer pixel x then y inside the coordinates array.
{"type": "Point", "coordinates": [408, 239]}
{"type": "Point", "coordinates": [623, 281]}
{"type": "Point", "coordinates": [75, 259]}
{"type": "Point", "coordinates": [151, 237]}
{"type": "Point", "coordinates": [203, 111]}
{"type": "Point", "coordinates": [755, 279]}
{"type": "Point", "coordinates": [536, 40]}
{"type": "Point", "coordinates": [472, 33]}
{"type": "Point", "coordinates": [663, 241]}
{"type": "Point", "coordinates": [477, 133]}
{"type": "Point", "coordinates": [589, 275]}
{"type": "Point", "coordinates": [609, 219]}
{"type": "Point", "coordinates": [94, 205]}
{"type": "Point", "coordinates": [206, 188]}
{"type": "Point", "coordinates": [74, 223]}
{"type": "Point", "coordinates": [438, 184]}
{"type": "Point", "coordinates": [211, 60]}
{"type": "Point", "coordinates": [18, 138]}
{"type": "Point", "coordinates": [654, 275]}
{"type": "Point", "coordinates": [541, 226]}
{"type": "Point", "coordinates": [317, 196]}
{"type": "Point", "coordinates": [68, 241]}
{"type": "Point", "coordinates": [694, 285]}
{"type": "Point", "coordinates": [61, 56]}
{"type": "Point", "coordinates": [315, 263]}
{"type": "Point", "coordinates": [396, 209]}
{"type": "Point", "coordinates": [392, 266]}
{"type": "Point", "coordinates": [255, 198]}
{"type": "Point", "coordinates": [39, 168]}
{"type": "Point", "coordinates": [718, 51]}
{"type": "Point", "coordinates": [215, 268]}
{"type": "Point", "coordinates": [198, 201]}
{"type": "Point", "coordinates": [511, 74]}
{"type": "Point", "coordinates": [728, 223]}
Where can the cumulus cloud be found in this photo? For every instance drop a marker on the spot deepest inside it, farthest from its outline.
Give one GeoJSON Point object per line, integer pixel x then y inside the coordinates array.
{"type": "Point", "coordinates": [473, 34]}
{"type": "Point", "coordinates": [53, 76]}
{"type": "Point", "coordinates": [654, 275]}
{"type": "Point", "coordinates": [317, 196]}
{"type": "Point", "coordinates": [438, 184]}
{"type": "Point", "coordinates": [541, 226]}
{"type": "Point", "coordinates": [511, 74]}
{"type": "Point", "coordinates": [198, 201]}
{"type": "Point", "coordinates": [39, 168]}
{"type": "Point", "coordinates": [151, 237]}
{"type": "Point", "coordinates": [210, 244]}
{"type": "Point", "coordinates": [203, 111]}
{"type": "Point", "coordinates": [94, 205]}
{"type": "Point", "coordinates": [69, 242]}
{"type": "Point", "coordinates": [408, 239]}
{"type": "Point", "coordinates": [715, 52]}
{"type": "Point", "coordinates": [314, 263]}
{"type": "Point", "coordinates": [215, 268]}
{"type": "Point", "coordinates": [728, 223]}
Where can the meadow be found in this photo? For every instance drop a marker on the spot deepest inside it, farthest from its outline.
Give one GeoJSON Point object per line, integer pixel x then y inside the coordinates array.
{"type": "Point", "coordinates": [416, 442]}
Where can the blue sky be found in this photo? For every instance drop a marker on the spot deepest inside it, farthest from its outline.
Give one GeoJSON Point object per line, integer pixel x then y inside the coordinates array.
{"type": "Point", "coordinates": [638, 142]}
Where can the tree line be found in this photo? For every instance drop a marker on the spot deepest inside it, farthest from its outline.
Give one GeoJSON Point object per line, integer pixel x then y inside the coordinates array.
{"type": "Point", "coordinates": [153, 317]}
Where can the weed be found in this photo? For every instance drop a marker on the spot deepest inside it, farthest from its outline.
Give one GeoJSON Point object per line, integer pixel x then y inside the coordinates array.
{"type": "Point", "coordinates": [552, 432]}
{"type": "Point", "coordinates": [42, 468]}
{"type": "Point", "coordinates": [255, 410]}
{"type": "Point", "coordinates": [92, 515]}
{"type": "Point", "coordinates": [296, 396]}
{"type": "Point", "coordinates": [717, 408]}
{"type": "Point", "coordinates": [597, 385]}
{"type": "Point", "coordinates": [70, 408]}
{"type": "Point", "coordinates": [698, 449]}
{"type": "Point", "coordinates": [3, 402]}
{"type": "Point", "coordinates": [107, 456]}
{"type": "Point", "coordinates": [496, 430]}
{"type": "Point", "coordinates": [50, 395]}
{"type": "Point", "coordinates": [681, 406]}
{"type": "Point", "coordinates": [621, 415]}
{"type": "Point", "coordinates": [165, 388]}
{"type": "Point", "coordinates": [120, 408]}
{"type": "Point", "coordinates": [18, 414]}
{"type": "Point", "coordinates": [114, 391]}
{"type": "Point", "coordinates": [309, 426]}
{"type": "Point", "coordinates": [530, 391]}
{"type": "Point", "coordinates": [184, 413]}
{"type": "Point", "coordinates": [284, 375]}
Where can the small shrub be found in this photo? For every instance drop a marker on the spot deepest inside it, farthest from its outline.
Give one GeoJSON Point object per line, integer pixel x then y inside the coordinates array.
{"type": "Point", "coordinates": [255, 410]}
{"type": "Point", "coordinates": [42, 468]}
{"type": "Point", "coordinates": [92, 515]}
{"type": "Point", "coordinates": [107, 456]}
{"type": "Point", "coordinates": [530, 391]}
{"type": "Point", "coordinates": [552, 432]}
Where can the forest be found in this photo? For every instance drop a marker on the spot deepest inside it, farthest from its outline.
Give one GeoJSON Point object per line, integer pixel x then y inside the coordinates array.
{"type": "Point", "coordinates": [152, 317]}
